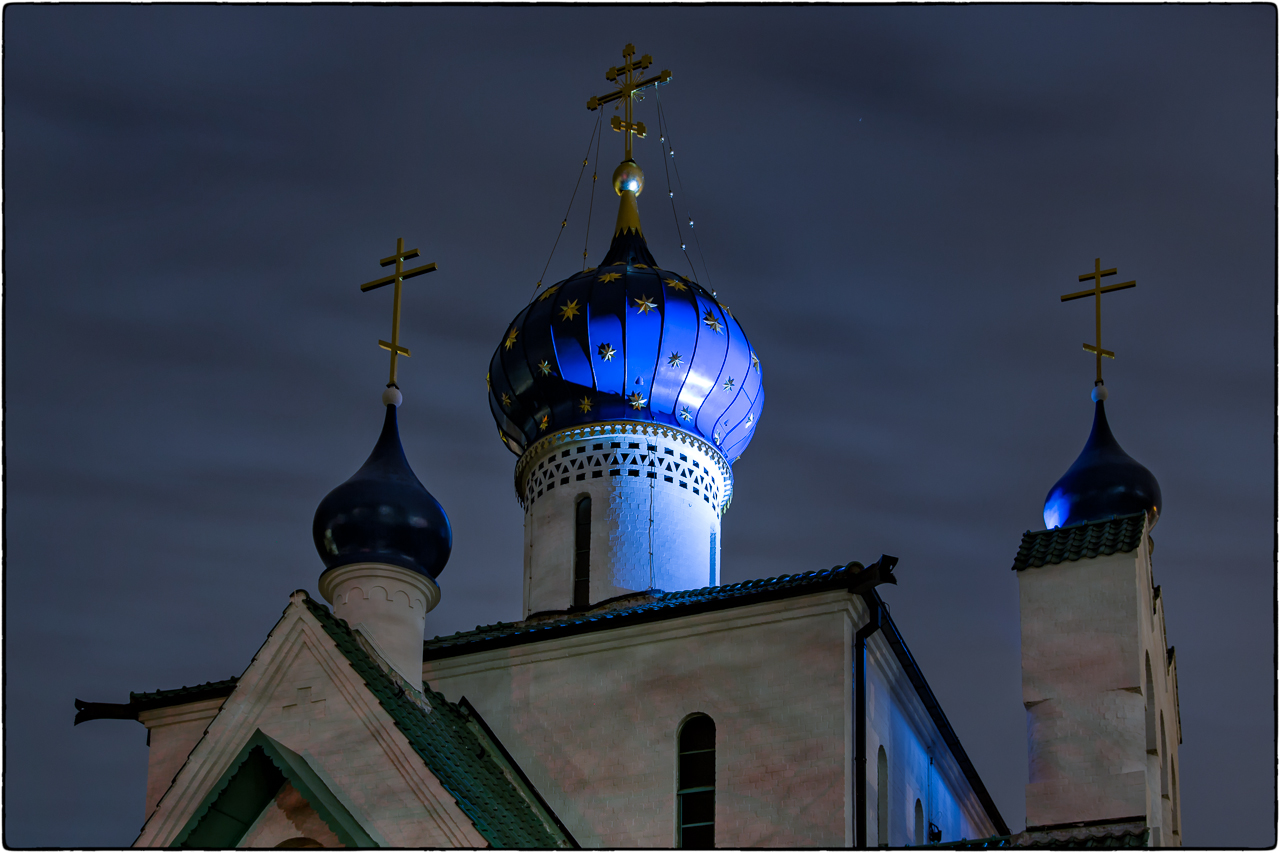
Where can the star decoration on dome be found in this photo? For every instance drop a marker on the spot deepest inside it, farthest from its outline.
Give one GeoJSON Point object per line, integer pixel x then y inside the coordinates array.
{"type": "Point", "coordinates": [712, 321]}
{"type": "Point", "coordinates": [607, 352]}
{"type": "Point", "coordinates": [637, 400]}
{"type": "Point", "coordinates": [717, 437]}
{"type": "Point", "coordinates": [550, 290]}
{"type": "Point", "coordinates": [610, 276]}
{"type": "Point", "coordinates": [506, 400]}
{"type": "Point", "coordinates": [511, 338]}
{"type": "Point", "coordinates": [675, 360]}
{"type": "Point", "coordinates": [486, 382]}
{"type": "Point", "coordinates": [643, 305]}
{"type": "Point", "coordinates": [751, 418]}
{"type": "Point", "coordinates": [544, 368]}
{"type": "Point", "coordinates": [685, 414]}
{"type": "Point", "coordinates": [728, 384]}
{"type": "Point", "coordinates": [755, 362]}
{"type": "Point", "coordinates": [546, 419]}
{"type": "Point", "coordinates": [569, 310]}
{"type": "Point", "coordinates": [674, 284]}
{"type": "Point", "coordinates": [584, 405]}
{"type": "Point", "coordinates": [640, 266]}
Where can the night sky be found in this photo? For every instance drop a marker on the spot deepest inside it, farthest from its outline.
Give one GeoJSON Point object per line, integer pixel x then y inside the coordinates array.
{"type": "Point", "coordinates": [890, 199]}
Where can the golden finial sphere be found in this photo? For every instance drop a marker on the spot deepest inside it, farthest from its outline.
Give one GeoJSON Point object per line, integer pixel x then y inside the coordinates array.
{"type": "Point", "coordinates": [628, 176]}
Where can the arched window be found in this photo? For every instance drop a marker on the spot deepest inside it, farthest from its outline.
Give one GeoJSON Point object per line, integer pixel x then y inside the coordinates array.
{"type": "Point", "coordinates": [696, 785]}
{"type": "Point", "coordinates": [1151, 710]}
{"type": "Point", "coordinates": [582, 553]}
{"type": "Point", "coordinates": [1177, 822]}
{"type": "Point", "coordinates": [882, 799]}
{"type": "Point", "coordinates": [919, 842]}
{"type": "Point", "coordinates": [1164, 760]}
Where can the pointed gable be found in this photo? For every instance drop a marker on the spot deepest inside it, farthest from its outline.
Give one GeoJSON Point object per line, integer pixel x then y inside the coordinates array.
{"type": "Point", "coordinates": [379, 763]}
{"type": "Point", "coordinates": [250, 785]}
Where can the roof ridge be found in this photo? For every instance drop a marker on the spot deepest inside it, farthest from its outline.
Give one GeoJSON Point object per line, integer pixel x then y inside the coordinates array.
{"type": "Point", "coordinates": [662, 601]}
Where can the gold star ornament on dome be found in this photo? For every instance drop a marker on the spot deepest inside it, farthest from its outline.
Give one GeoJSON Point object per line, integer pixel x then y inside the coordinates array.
{"type": "Point", "coordinates": [610, 276]}
{"type": "Point", "coordinates": [544, 368]}
{"type": "Point", "coordinates": [643, 304]}
{"type": "Point", "coordinates": [544, 423]}
{"type": "Point", "coordinates": [755, 362]}
{"type": "Point", "coordinates": [685, 414]}
{"type": "Point", "coordinates": [639, 266]}
{"type": "Point", "coordinates": [511, 338]}
{"type": "Point", "coordinates": [637, 400]}
{"type": "Point", "coordinates": [675, 360]}
{"type": "Point", "coordinates": [674, 284]}
{"type": "Point", "coordinates": [584, 405]}
{"type": "Point", "coordinates": [712, 321]}
{"type": "Point", "coordinates": [607, 352]}
{"type": "Point", "coordinates": [548, 292]}
{"type": "Point", "coordinates": [728, 384]}
{"type": "Point", "coordinates": [569, 310]}
{"type": "Point", "coordinates": [506, 400]}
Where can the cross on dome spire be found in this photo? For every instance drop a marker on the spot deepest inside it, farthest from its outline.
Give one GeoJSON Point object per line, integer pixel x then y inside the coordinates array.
{"type": "Point", "coordinates": [627, 76]}
{"type": "Point", "coordinates": [1096, 292]}
{"type": "Point", "coordinates": [397, 278]}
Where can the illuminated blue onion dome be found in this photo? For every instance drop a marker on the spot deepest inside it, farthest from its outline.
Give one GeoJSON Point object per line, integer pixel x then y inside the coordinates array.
{"type": "Point", "coordinates": [383, 514]}
{"type": "Point", "coordinates": [1103, 482]}
{"type": "Point", "coordinates": [626, 341]}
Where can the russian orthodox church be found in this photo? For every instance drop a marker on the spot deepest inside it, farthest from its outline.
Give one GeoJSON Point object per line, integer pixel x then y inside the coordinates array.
{"type": "Point", "coordinates": [639, 702]}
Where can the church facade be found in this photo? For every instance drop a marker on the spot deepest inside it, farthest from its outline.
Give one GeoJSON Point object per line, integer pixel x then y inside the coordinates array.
{"type": "Point", "coordinates": [639, 702]}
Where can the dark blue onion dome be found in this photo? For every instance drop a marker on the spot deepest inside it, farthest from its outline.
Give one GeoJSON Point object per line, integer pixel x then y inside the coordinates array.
{"type": "Point", "coordinates": [383, 514]}
{"type": "Point", "coordinates": [1103, 482]}
{"type": "Point", "coordinates": [626, 341]}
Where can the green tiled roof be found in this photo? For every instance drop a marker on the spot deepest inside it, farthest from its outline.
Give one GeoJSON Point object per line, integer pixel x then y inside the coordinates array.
{"type": "Point", "coordinates": [640, 608]}
{"type": "Point", "coordinates": [184, 694]}
{"type": "Point", "coordinates": [1048, 547]}
{"type": "Point", "coordinates": [451, 750]}
{"type": "Point", "coordinates": [139, 702]}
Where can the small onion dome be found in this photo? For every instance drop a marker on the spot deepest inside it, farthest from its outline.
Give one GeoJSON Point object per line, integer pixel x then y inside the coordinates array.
{"type": "Point", "coordinates": [626, 341]}
{"type": "Point", "coordinates": [1103, 482]}
{"type": "Point", "coordinates": [383, 514]}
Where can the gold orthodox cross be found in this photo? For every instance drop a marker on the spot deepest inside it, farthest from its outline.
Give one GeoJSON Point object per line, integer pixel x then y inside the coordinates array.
{"type": "Point", "coordinates": [400, 275]}
{"type": "Point", "coordinates": [630, 84]}
{"type": "Point", "coordinates": [1096, 292]}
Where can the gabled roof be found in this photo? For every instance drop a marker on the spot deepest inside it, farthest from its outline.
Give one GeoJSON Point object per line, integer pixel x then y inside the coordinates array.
{"type": "Point", "coordinates": [439, 733]}
{"type": "Point", "coordinates": [1087, 540]}
{"type": "Point", "coordinates": [656, 605]}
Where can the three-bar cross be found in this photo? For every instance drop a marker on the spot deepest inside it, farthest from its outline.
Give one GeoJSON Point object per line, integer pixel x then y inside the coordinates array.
{"type": "Point", "coordinates": [1096, 292]}
{"type": "Point", "coordinates": [397, 278]}
{"type": "Point", "coordinates": [627, 77]}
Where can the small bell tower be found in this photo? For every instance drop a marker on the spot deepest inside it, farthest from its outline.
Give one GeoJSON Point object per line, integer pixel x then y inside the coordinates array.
{"type": "Point", "coordinates": [1099, 681]}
